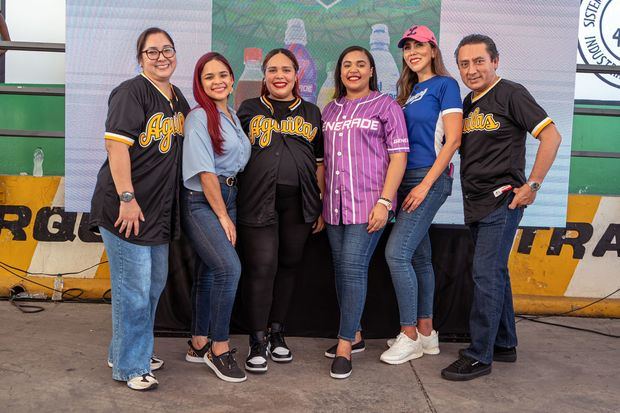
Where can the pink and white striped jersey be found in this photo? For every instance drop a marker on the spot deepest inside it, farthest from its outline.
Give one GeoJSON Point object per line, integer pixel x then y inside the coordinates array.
{"type": "Point", "coordinates": [359, 135]}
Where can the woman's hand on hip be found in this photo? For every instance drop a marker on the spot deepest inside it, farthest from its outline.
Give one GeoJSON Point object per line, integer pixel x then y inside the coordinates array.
{"type": "Point", "coordinates": [129, 217]}
{"type": "Point", "coordinates": [229, 228]}
{"type": "Point", "coordinates": [378, 218]}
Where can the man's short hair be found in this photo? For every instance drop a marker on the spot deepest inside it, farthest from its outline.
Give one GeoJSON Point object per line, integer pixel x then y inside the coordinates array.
{"type": "Point", "coordinates": [476, 39]}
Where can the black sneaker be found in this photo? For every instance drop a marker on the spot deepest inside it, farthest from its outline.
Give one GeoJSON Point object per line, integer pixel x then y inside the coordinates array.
{"type": "Point", "coordinates": [278, 350]}
{"type": "Point", "coordinates": [341, 368]}
{"type": "Point", "coordinates": [156, 363]}
{"type": "Point", "coordinates": [257, 356]}
{"type": "Point", "coordinates": [195, 355]}
{"type": "Point", "coordinates": [465, 368]}
{"type": "Point", "coordinates": [501, 354]}
{"type": "Point", "coordinates": [330, 353]}
{"type": "Point", "coordinates": [225, 366]}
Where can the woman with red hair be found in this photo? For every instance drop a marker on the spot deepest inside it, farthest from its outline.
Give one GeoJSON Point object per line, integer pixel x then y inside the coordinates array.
{"type": "Point", "coordinates": [214, 151]}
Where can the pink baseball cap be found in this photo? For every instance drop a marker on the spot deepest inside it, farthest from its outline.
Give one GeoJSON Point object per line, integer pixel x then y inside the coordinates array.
{"type": "Point", "coordinates": [420, 34]}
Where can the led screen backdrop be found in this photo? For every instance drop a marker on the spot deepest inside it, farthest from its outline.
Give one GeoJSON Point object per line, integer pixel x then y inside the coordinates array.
{"type": "Point", "coordinates": [100, 54]}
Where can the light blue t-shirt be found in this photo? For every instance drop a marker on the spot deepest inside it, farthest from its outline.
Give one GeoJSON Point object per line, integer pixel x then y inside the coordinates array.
{"type": "Point", "coordinates": [198, 154]}
{"type": "Point", "coordinates": [428, 102]}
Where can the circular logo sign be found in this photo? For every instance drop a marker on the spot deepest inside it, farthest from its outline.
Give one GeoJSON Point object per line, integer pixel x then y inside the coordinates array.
{"type": "Point", "coordinates": [599, 36]}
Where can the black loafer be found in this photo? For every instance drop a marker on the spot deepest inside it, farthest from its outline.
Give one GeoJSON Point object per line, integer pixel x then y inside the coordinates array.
{"type": "Point", "coordinates": [330, 353]}
{"type": "Point", "coordinates": [501, 354]}
{"type": "Point", "coordinates": [341, 368]}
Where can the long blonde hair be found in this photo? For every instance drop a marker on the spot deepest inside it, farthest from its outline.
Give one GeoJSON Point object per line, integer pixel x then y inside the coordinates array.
{"type": "Point", "coordinates": [408, 78]}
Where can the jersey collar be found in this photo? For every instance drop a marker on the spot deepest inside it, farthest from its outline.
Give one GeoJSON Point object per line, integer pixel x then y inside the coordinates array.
{"type": "Point", "coordinates": [478, 97]}
{"type": "Point", "coordinates": [174, 95]}
{"type": "Point", "coordinates": [265, 101]}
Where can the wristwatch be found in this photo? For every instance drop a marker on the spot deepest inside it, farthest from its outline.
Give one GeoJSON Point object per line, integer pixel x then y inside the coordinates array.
{"type": "Point", "coordinates": [386, 202]}
{"type": "Point", "coordinates": [126, 196]}
{"type": "Point", "coordinates": [534, 186]}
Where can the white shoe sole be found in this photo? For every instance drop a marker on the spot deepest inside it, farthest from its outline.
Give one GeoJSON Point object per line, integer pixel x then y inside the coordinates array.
{"type": "Point", "coordinates": [222, 376]}
{"type": "Point", "coordinates": [193, 359]}
{"type": "Point", "coordinates": [432, 351]}
{"type": "Point", "coordinates": [256, 369]}
{"type": "Point", "coordinates": [339, 376]}
{"type": "Point", "coordinates": [403, 360]}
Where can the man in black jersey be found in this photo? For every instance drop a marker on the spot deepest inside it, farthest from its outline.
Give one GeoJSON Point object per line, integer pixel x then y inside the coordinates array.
{"type": "Point", "coordinates": [497, 115]}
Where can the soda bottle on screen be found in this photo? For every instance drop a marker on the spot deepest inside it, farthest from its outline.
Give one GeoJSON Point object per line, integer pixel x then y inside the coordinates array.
{"type": "Point", "coordinates": [295, 41]}
{"type": "Point", "coordinates": [326, 93]}
{"type": "Point", "coordinates": [250, 81]}
{"type": "Point", "coordinates": [387, 71]}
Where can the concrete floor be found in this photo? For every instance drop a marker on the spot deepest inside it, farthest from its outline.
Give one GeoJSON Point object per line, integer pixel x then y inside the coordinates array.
{"type": "Point", "coordinates": [55, 361]}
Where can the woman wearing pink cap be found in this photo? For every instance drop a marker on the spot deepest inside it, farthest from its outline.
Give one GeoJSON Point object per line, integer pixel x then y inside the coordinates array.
{"type": "Point", "coordinates": [433, 111]}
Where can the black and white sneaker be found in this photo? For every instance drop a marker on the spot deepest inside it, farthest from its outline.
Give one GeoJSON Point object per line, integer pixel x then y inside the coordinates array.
{"type": "Point", "coordinates": [278, 350]}
{"type": "Point", "coordinates": [330, 353]}
{"type": "Point", "coordinates": [465, 368]}
{"type": "Point", "coordinates": [341, 368]}
{"type": "Point", "coordinates": [225, 366]}
{"type": "Point", "coordinates": [156, 363]}
{"type": "Point", "coordinates": [257, 355]}
{"type": "Point", "coordinates": [195, 355]}
{"type": "Point", "coordinates": [145, 382]}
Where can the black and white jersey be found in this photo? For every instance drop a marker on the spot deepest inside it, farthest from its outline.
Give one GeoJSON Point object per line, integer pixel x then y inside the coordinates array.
{"type": "Point", "coordinates": [296, 129]}
{"type": "Point", "coordinates": [141, 116]}
{"type": "Point", "coordinates": [495, 124]}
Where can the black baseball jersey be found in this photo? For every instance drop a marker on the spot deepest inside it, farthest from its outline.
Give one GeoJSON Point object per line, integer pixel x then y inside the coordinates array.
{"type": "Point", "coordinates": [141, 116]}
{"type": "Point", "coordinates": [270, 132]}
{"type": "Point", "coordinates": [495, 124]}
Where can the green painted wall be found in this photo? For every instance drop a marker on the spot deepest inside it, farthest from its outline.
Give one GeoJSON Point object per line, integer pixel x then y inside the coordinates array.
{"type": "Point", "coordinates": [25, 112]}
{"type": "Point", "coordinates": [587, 175]}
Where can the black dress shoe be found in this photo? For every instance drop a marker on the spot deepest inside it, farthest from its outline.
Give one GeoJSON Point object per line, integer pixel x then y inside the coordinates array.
{"type": "Point", "coordinates": [341, 368]}
{"type": "Point", "coordinates": [501, 354]}
{"type": "Point", "coordinates": [465, 368]}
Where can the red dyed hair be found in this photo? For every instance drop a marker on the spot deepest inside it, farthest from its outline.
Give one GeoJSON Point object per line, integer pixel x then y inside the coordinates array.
{"type": "Point", "coordinates": [205, 102]}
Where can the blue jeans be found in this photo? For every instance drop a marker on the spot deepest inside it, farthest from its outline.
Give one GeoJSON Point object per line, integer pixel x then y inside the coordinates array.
{"type": "Point", "coordinates": [408, 250]}
{"type": "Point", "coordinates": [352, 248]}
{"type": "Point", "coordinates": [492, 318]}
{"type": "Point", "coordinates": [217, 265]}
{"type": "Point", "coordinates": [138, 274]}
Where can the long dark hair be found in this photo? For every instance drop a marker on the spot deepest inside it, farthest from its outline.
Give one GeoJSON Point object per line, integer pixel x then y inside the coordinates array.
{"type": "Point", "coordinates": [205, 102]}
{"type": "Point", "coordinates": [408, 78]}
{"type": "Point", "coordinates": [340, 89]}
{"type": "Point", "coordinates": [263, 90]}
{"type": "Point", "coordinates": [144, 35]}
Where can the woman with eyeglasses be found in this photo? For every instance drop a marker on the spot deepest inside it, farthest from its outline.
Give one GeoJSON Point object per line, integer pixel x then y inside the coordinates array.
{"type": "Point", "coordinates": [135, 203]}
{"type": "Point", "coordinates": [215, 150]}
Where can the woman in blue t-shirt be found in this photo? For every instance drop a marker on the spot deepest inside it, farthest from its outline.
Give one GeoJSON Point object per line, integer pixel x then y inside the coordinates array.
{"type": "Point", "coordinates": [214, 151]}
{"type": "Point", "coordinates": [433, 112]}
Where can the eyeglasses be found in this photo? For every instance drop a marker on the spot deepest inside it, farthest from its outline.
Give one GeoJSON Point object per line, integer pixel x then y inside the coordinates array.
{"type": "Point", "coordinates": [153, 54]}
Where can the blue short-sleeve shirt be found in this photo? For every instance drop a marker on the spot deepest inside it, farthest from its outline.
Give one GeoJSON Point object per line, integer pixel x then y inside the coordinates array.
{"type": "Point", "coordinates": [198, 153]}
{"type": "Point", "coordinates": [428, 102]}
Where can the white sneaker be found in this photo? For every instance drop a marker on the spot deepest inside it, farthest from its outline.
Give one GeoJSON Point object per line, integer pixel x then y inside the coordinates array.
{"type": "Point", "coordinates": [430, 343]}
{"type": "Point", "coordinates": [402, 350]}
{"type": "Point", "coordinates": [145, 382]}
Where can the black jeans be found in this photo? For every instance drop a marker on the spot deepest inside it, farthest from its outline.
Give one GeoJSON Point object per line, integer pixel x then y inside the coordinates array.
{"type": "Point", "coordinates": [270, 258]}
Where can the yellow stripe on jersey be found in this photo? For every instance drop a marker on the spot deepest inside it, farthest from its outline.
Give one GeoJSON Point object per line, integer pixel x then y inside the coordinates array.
{"type": "Point", "coordinates": [542, 125]}
{"type": "Point", "coordinates": [475, 97]}
{"type": "Point", "coordinates": [119, 138]}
